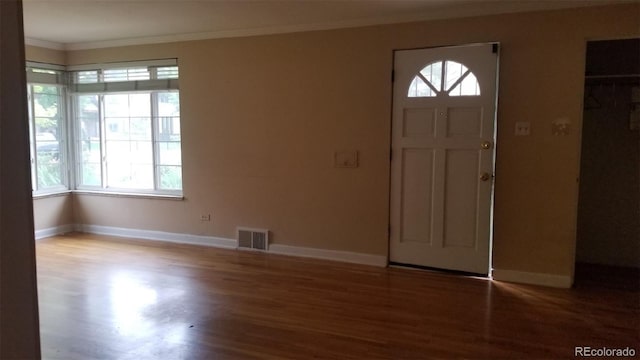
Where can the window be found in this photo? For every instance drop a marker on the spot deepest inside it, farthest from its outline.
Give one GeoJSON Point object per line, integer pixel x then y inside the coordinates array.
{"type": "Point", "coordinates": [127, 122]}
{"type": "Point", "coordinates": [448, 78]}
{"type": "Point", "coordinates": [123, 127]}
{"type": "Point", "coordinates": [47, 130]}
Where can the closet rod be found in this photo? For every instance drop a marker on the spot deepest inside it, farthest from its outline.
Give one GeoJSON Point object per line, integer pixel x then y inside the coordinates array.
{"type": "Point", "coordinates": [612, 76]}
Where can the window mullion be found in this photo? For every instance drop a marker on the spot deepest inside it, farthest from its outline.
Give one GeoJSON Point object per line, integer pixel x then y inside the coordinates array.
{"type": "Point", "coordinates": [153, 74]}
{"type": "Point", "coordinates": [73, 140]}
{"type": "Point", "coordinates": [32, 138]}
{"type": "Point", "coordinates": [154, 138]}
{"type": "Point", "coordinates": [63, 143]}
{"type": "Point", "coordinates": [103, 142]}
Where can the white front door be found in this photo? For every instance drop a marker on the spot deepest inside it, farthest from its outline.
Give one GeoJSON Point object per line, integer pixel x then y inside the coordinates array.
{"type": "Point", "coordinates": [444, 113]}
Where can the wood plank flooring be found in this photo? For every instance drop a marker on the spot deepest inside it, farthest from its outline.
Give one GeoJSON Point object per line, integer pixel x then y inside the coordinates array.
{"type": "Point", "coordinates": [110, 298]}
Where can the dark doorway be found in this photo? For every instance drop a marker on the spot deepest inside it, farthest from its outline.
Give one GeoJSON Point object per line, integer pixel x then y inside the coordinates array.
{"type": "Point", "coordinates": [608, 233]}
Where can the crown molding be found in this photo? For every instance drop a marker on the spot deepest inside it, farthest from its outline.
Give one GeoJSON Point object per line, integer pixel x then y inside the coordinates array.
{"type": "Point", "coordinates": [469, 10]}
{"type": "Point", "coordinates": [222, 34]}
{"type": "Point", "coordinates": [474, 9]}
{"type": "Point", "coordinates": [44, 44]}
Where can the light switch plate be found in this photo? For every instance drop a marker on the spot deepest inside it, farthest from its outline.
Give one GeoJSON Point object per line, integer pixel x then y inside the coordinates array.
{"type": "Point", "coordinates": [345, 159]}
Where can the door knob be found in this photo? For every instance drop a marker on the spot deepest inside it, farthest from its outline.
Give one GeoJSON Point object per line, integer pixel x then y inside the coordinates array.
{"type": "Point", "coordinates": [485, 176]}
{"type": "Point", "coordinates": [485, 145]}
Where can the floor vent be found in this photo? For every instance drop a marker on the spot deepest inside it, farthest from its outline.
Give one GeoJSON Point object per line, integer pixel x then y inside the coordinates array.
{"type": "Point", "coordinates": [253, 239]}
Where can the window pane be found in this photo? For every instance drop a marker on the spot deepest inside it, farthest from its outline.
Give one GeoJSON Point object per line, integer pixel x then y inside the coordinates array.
{"type": "Point", "coordinates": [170, 177]}
{"type": "Point", "coordinates": [456, 78]}
{"type": "Point", "coordinates": [453, 72]}
{"type": "Point", "coordinates": [46, 122]}
{"type": "Point", "coordinates": [468, 87]}
{"type": "Point", "coordinates": [47, 147]}
{"type": "Point", "coordinates": [86, 77]}
{"type": "Point", "coordinates": [87, 106]}
{"type": "Point", "coordinates": [46, 102]}
{"type": "Point", "coordinates": [44, 71]}
{"type": "Point", "coordinates": [49, 170]}
{"type": "Point", "coordinates": [167, 72]}
{"type": "Point", "coordinates": [130, 164]}
{"type": "Point", "coordinates": [127, 74]}
{"type": "Point", "coordinates": [129, 175]}
{"type": "Point", "coordinates": [91, 174]}
{"type": "Point", "coordinates": [87, 112]}
{"type": "Point", "coordinates": [433, 74]}
{"type": "Point", "coordinates": [168, 104]}
{"type": "Point", "coordinates": [170, 153]}
{"type": "Point", "coordinates": [140, 128]}
{"type": "Point", "coordinates": [169, 149]}
{"type": "Point", "coordinates": [168, 121]}
{"type": "Point", "coordinates": [140, 105]}
{"type": "Point", "coordinates": [419, 88]}
{"type": "Point", "coordinates": [128, 117]}
{"type": "Point", "coordinates": [117, 128]}
{"type": "Point", "coordinates": [119, 151]}
{"type": "Point", "coordinates": [45, 105]}
{"type": "Point", "coordinates": [90, 151]}
{"type": "Point", "coordinates": [116, 105]}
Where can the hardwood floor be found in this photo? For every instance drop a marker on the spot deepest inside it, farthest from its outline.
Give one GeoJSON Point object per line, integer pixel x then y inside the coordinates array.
{"type": "Point", "coordinates": [110, 298]}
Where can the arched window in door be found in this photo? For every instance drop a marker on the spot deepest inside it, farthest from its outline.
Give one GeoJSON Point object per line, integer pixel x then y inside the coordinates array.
{"type": "Point", "coordinates": [444, 78]}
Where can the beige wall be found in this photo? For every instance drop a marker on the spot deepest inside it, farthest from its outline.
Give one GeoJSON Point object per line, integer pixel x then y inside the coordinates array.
{"type": "Point", "coordinates": [49, 56]}
{"type": "Point", "coordinates": [51, 212]}
{"type": "Point", "coordinates": [262, 117]}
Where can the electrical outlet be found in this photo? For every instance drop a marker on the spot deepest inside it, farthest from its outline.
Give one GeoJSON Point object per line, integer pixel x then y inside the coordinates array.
{"type": "Point", "coordinates": [345, 159]}
{"type": "Point", "coordinates": [523, 128]}
{"type": "Point", "coordinates": [205, 217]}
{"type": "Point", "coordinates": [561, 126]}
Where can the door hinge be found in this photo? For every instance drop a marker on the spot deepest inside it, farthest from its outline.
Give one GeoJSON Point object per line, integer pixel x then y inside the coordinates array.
{"type": "Point", "coordinates": [495, 48]}
{"type": "Point", "coordinates": [389, 230]}
{"type": "Point", "coordinates": [391, 155]}
{"type": "Point", "coordinates": [393, 75]}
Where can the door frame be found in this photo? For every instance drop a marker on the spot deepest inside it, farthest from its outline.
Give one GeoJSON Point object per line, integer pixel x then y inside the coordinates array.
{"type": "Point", "coordinates": [586, 41]}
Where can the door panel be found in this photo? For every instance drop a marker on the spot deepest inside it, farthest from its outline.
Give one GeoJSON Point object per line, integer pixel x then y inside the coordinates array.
{"type": "Point", "coordinates": [417, 181]}
{"type": "Point", "coordinates": [443, 113]}
{"type": "Point", "coordinates": [460, 200]}
{"type": "Point", "coordinates": [464, 122]}
{"type": "Point", "coordinates": [419, 122]}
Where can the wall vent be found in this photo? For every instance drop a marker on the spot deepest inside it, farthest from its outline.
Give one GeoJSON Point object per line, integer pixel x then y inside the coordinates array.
{"type": "Point", "coordinates": [253, 239]}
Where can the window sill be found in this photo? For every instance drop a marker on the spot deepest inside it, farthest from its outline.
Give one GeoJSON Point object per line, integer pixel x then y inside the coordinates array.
{"type": "Point", "coordinates": [39, 196]}
{"type": "Point", "coordinates": [129, 195]}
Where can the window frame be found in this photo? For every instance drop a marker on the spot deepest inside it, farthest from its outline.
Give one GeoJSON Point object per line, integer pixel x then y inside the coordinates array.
{"type": "Point", "coordinates": [443, 89]}
{"type": "Point", "coordinates": [40, 74]}
{"type": "Point", "coordinates": [104, 187]}
{"type": "Point", "coordinates": [70, 139]}
{"type": "Point", "coordinates": [101, 87]}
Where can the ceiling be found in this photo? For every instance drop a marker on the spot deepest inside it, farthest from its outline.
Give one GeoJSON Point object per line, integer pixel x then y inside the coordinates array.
{"type": "Point", "coordinates": [78, 24]}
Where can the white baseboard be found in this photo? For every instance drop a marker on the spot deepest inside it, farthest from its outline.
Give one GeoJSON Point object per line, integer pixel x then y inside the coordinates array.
{"type": "Point", "coordinates": [159, 235]}
{"type": "Point", "coordinates": [336, 255]}
{"type": "Point", "coordinates": [559, 281]}
{"type": "Point", "coordinates": [53, 231]}
{"type": "Point", "coordinates": [523, 277]}
{"type": "Point", "coordinates": [344, 256]}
